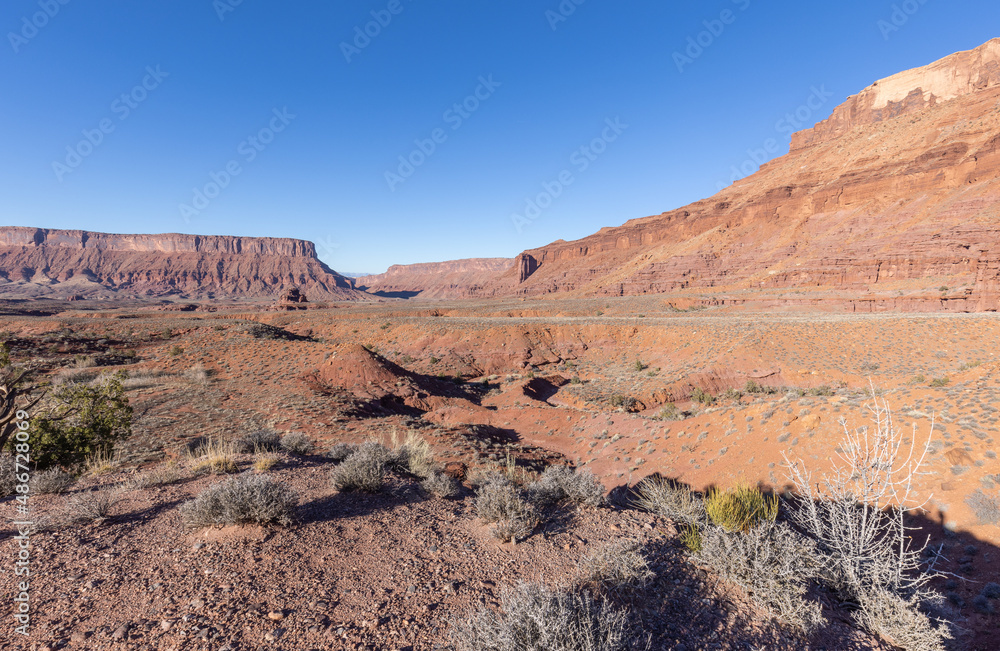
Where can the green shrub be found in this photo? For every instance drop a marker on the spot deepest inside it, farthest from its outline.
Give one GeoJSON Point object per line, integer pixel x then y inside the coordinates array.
{"type": "Point", "coordinates": [78, 420]}
{"type": "Point", "coordinates": [702, 397]}
{"type": "Point", "coordinates": [940, 382]}
{"type": "Point", "coordinates": [740, 508]}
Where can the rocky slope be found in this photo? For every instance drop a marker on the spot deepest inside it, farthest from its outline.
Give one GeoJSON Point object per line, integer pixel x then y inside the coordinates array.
{"type": "Point", "coordinates": [452, 279]}
{"type": "Point", "coordinates": [891, 199]}
{"type": "Point", "coordinates": [896, 194]}
{"type": "Point", "coordinates": [61, 263]}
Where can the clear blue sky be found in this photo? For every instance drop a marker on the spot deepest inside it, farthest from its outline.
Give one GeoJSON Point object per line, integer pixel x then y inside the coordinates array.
{"type": "Point", "coordinates": [218, 73]}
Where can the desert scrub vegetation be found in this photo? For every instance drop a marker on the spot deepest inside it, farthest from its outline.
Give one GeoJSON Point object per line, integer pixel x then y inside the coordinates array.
{"type": "Point", "coordinates": [94, 506]}
{"type": "Point", "coordinates": [440, 484]}
{"type": "Point", "coordinates": [264, 461]}
{"type": "Point", "coordinates": [215, 456]}
{"type": "Point", "coordinates": [559, 483]}
{"type": "Point", "coordinates": [296, 443]}
{"type": "Point", "coordinates": [668, 499]}
{"type": "Point", "coordinates": [618, 564]}
{"type": "Point", "coordinates": [534, 617]}
{"type": "Point", "coordinates": [197, 374]}
{"type": "Point", "coordinates": [412, 455]}
{"type": "Point", "coordinates": [101, 462]}
{"type": "Point", "coordinates": [263, 440]}
{"type": "Point", "coordinates": [702, 397]}
{"type": "Point", "coordinates": [740, 508]}
{"type": "Point", "coordinates": [341, 451]}
{"type": "Point", "coordinates": [245, 499]}
{"type": "Point", "coordinates": [627, 404]}
{"type": "Point", "coordinates": [770, 562]}
{"type": "Point", "coordinates": [77, 420]}
{"type": "Point", "coordinates": [500, 503]}
{"type": "Point", "coordinates": [52, 481]}
{"type": "Point", "coordinates": [363, 469]}
{"type": "Point", "coordinates": [857, 514]}
{"type": "Point", "coordinates": [7, 471]}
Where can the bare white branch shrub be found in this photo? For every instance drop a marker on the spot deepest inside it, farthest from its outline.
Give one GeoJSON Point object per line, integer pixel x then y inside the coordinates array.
{"type": "Point", "coordinates": [857, 513]}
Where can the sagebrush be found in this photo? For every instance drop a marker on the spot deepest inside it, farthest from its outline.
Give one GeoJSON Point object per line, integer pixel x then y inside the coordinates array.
{"type": "Point", "coordinates": [534, 617]}
{"type": "Point", "coordinates": [245, 499]}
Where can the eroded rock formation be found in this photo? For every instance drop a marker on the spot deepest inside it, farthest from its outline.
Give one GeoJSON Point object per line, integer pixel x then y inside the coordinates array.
{"type": "Point", "coordinates": [44, 262]}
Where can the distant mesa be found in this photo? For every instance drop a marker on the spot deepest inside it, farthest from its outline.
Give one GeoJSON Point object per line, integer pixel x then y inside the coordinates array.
{"type": "Point", "coordinates": [435, 280]}
{"type": "Point", "coordinates": [38, 262]}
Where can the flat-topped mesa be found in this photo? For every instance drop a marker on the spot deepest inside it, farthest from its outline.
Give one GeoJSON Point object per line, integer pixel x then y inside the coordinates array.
{"type": "Point", "coordinates": [437, 280]}
{"type": "Point", "coordinates": [956, 75]}
{"type": "Point", "coordinates": [37, 262]}
{"type": "Point", "coordinates": [161, 243]}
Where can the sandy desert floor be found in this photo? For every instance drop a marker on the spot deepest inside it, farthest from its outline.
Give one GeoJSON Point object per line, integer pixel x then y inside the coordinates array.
{"type": "Point", "coordinates": [603, 384]}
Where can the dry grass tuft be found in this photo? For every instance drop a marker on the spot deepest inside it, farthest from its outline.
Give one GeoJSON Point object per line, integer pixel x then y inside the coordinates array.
{"type": "Point", "coordinates": [264, 461]}
{"type": "Point", "coordinates": [102, 462]}
{"type": "Point", "coordinates": [217, 457]}
{"type": "Point", "coordinates": [91, 507]}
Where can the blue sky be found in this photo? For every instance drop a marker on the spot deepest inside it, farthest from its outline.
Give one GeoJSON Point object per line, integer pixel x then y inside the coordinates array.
{"type": "Point", "coordinates": [254, 118]}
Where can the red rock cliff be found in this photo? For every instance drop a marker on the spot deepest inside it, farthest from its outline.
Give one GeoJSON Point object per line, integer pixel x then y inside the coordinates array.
{"type": "Point", "coordinates": [37, 261]}
{"type": "Point", "coordinates": [896, 193]}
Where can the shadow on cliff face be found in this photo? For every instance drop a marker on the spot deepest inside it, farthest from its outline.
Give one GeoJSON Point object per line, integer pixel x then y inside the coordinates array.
{"type": "Point", "coordinates": [969, 582]}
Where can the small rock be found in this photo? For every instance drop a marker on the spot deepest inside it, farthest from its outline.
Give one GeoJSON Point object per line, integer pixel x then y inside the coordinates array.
{"type": "Point", "coordinates": [274, 635]}
{"type": "Point", "coordinates": [198, 603]}
{"type": "Point", "coordinates": [78, 637]}
{"type": "Point", "coordinates": [120, 633]}
{"type": "Point", "coordinates": [165, 624]}
{"type": "Point", "coordinates": [276, 615]}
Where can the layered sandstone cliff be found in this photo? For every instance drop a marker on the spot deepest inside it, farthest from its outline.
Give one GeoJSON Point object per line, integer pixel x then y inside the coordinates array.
{"type": "Point", "coordinates": [438, 280]}
{"type": "Point", "coordinates": [896, 194]}
{"type": "Point", "coordinates": [59, 263]}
